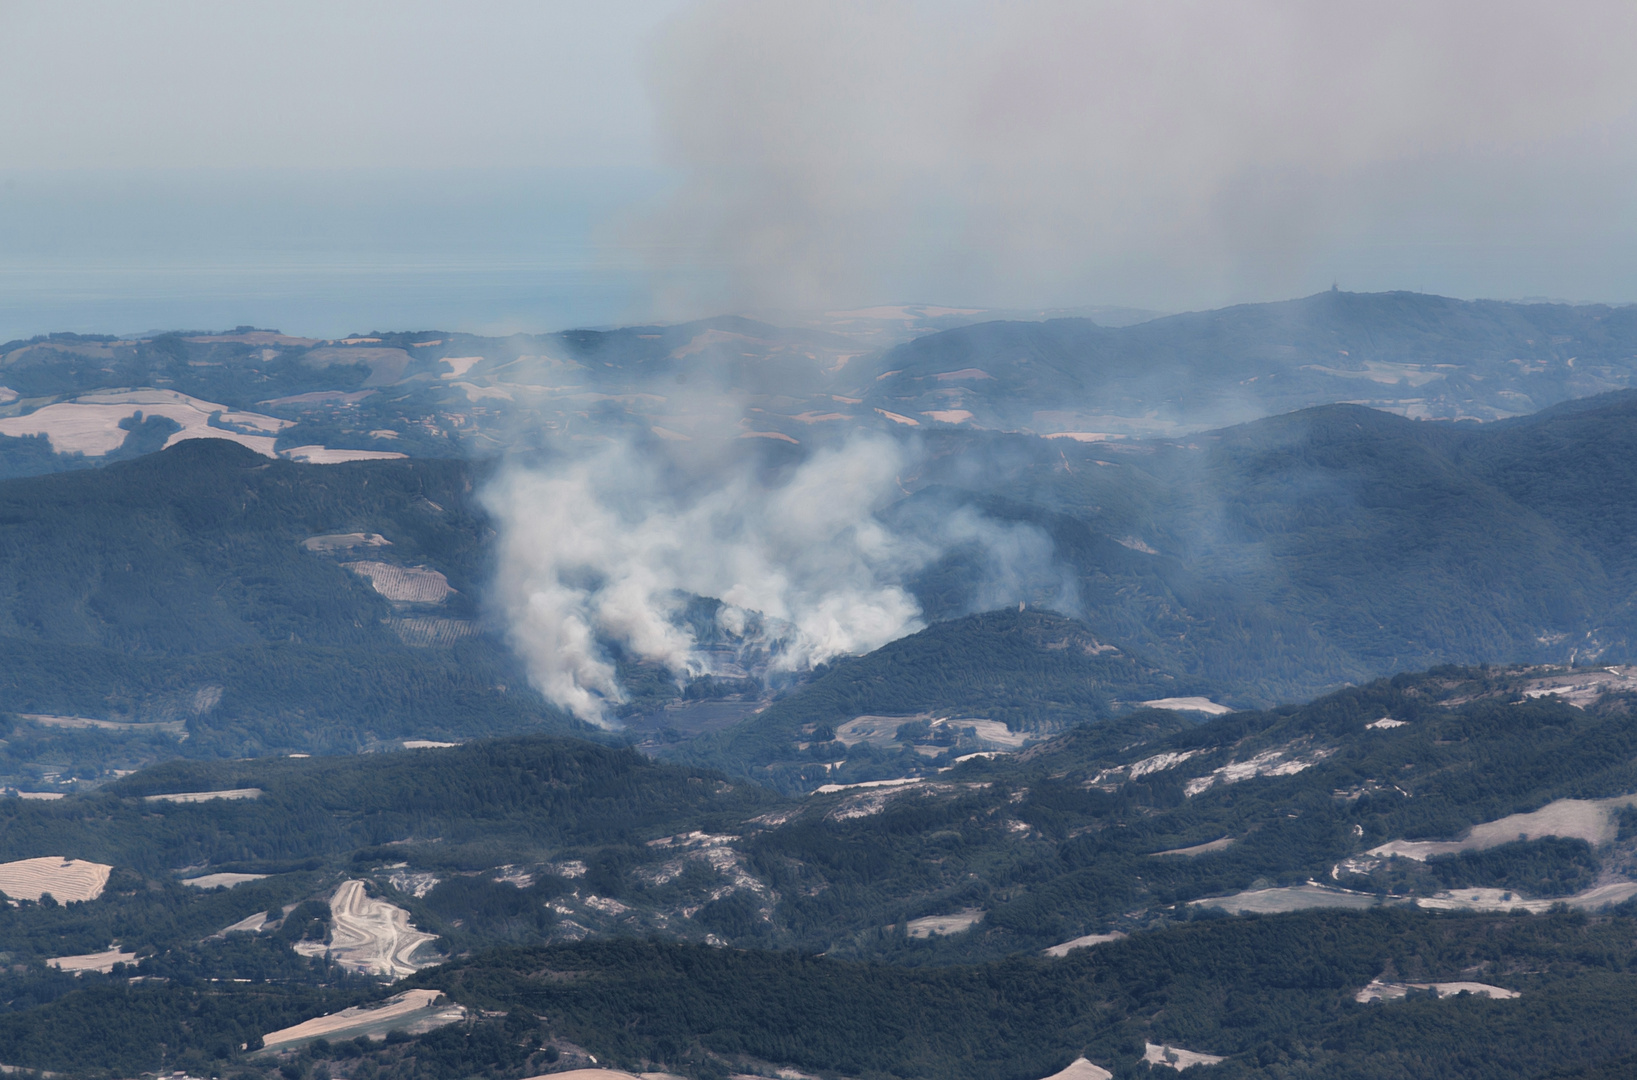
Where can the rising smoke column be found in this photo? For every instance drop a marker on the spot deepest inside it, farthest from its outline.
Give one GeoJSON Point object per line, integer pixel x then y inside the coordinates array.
{"type": "Point", "coordinates": [604, 549]}
{"type": "Point", "coordinates": [600, 548]}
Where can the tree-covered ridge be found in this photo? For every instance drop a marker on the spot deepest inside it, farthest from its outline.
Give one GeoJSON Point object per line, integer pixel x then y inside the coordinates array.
{"type": "Point", "coordinates": [177, 589]}
{"type": "Point", "coordinates": [1433, 355]}
{"type": "Point", "coordinates": [467, 807]}
{"type": "Point", "coordinates": [1031, 670]}
{"type": "Point", "coordinates": [1280, 558]}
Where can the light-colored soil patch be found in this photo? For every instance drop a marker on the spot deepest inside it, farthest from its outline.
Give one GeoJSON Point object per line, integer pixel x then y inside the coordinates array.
{"type": "Point", "coordinates": [250, 924]}
{"type": "Point", "coordinates": [1592, 820]}
{"type": "Point", "coordinates": [1175, 1057]}
{"type": "Point", "coordinates": [324, 545]}
{"type": "Point", "coordinates": [831, 789]}
{"type": "Point", "coordinates": [990, 731]}
{"type": "Point", "coordinates": [949, 416]}
{"type": "Point", "coordinates": [1081, 1069]}
{"type": "Point", "coordinates": [386, 366]}
{"type": "Point", "coordinates": [1188, 704]}
{"type": "Point", "coordinates": [370, 936]}
{"type": "Point", "coordinates": [1582, 688]}
{"type": "Point", "coordinates": [876, 730]}
{"type": "Point", "coordinates": [1617, 892]}
{"type": "Point", "coordinates": [426, 744]}
{"type": "Point", "coordinates": [1085, 942]}
{"type": "Point", "coordinates": [89, 424]}
{"type": "Point", "coordinates": [602, 1074]}
{"type": "Point", "coordinates": [413, 883]}
{"type": "Point", "coordinates": [254, 337]}
{"type": "Point", "coordinates": [65, 879]}
{"type": "Point", "coordinates": [1198, 849]}
{"type": "Point", "coordinates": [1289, 898]}
{"type": "Point", "coordinates": [432, 633]}
{"type": "Point", "coordinates": [231, 794]}
{"type": "Point", "coordinates": [323, 455]}
{"type": "Point", "coordinates": [97, 961]}
{"type": "Point", "coordinates": [85, 723]}
{"type": "Point", "coordinates": [1393, 991]}
{"type": "Point", "coordinates": [319, 397]}
{"type": "Point", "coordinates": [883, 730]}
{"type": "Point", "coordinates": [459, 365]}
{"type": "Point", "coordinates": [1281, 762]}
{"type": "Point", "coordinates": [214, 881]}
{"type": "Point", "coordinates": [1158, 763]}
{"type": "Point", "coordinates": [899, 418]}
{"type": "Point", "coordinates": [1085, 436]}
{"type": "Point", "coordinates": [943, 924]}
{"type": "Point", "coordinates": [1385, 723]}
{"type": "Point", "coordinates": [44, 796]}
{"type": "Point", "coordinates": [413, 1011]}
{"type": "Point", "coordinates": [403, 584]}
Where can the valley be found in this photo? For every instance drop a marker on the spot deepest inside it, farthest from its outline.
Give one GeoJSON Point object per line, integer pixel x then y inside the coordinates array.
{"type": "Point", "coordinates": [1257, 733]}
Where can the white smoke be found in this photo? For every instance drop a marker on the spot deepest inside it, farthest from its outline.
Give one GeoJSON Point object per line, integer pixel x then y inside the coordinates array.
{"type": "Point", "coordinates": [603, 549]}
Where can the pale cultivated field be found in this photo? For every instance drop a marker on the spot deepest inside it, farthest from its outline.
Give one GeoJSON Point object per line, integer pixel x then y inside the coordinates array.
{"type": "Point", "coordinates": [949, 416]}
{"type": "Point", "coordinates": [1580, 688]}
{"type": "Point", "coordinates": [231, 794]}
{"type": "Point", "coordinates": [1617, 892]}
{"type": "Point", "coordinates": [608, 1074]}
{"type": "Point", "coordinates": [323, 455]}
{"type": "Point", "coordinates": [459, 365]}
{"type": "Point", "coordinates": [1288, 898]}
{"type": "Point", "coordinates": [943, 924]}
{"type": "Point", "coordinates": [212, 881]}
{"type": "Point", "coordinates": [332, 542]}
{"type": "Point", "coordinates": [1081, 1069]}
{"type": "Point", "coordinates": [82, 723]}
{"type": "Point", "coordinates": [1199, 849]}
{"type": "Point", "coordinates": [877, 730]}
{"type": "Point", "coordinates": [1083, 943]}
{"type": "Point", "coordinates": [403, 584]}
{"type": "Point", "coordinates": [1188, 704]}
{"type": "Point", "coordinates": [426, 744]}
{"type": "Point", "coordinates": [370, 936]}
{"type": "Point", "coordinates": [831, 789]}
{"type": "Point", "coordinates": [1174, 1057]}
{"type": "Point", "coordinates": [413, 1011]}
{"type": "Point", "coordinates": [98, 961]}
{"type": "Point", "coordinates": [428, 633]}
{"type": "Point", "coordinates": [1385, 723]}
{"type": "Point", "coordinates": [386, 366]}
{"type": "Point", "coordinates": [883, 730]}
{"type": "Point", "coordinates": [1084, 436]}
{"type": "Point", "coordinates": [250, 924]}
{"type": "Point", "coordinates": [1592, 820]}
{"type": "Point", "coordinates": [1392, 991]}
{"type": "Point", "coordinates": [45, 796]}
{"type": "Point", "coordinates": [90, 424]}
{"type": "Point", "coordinates": [65, 879]}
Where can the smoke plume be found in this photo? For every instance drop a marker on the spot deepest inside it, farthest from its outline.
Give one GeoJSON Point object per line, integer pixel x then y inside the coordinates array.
{"type": "Point", "coordinates": [1044, 152]}
{"type": "Point", "coordinates": [600, 553]}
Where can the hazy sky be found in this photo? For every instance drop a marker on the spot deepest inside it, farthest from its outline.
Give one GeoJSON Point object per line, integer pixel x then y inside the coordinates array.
{"type": "Point", "coordinates": [337, 166]}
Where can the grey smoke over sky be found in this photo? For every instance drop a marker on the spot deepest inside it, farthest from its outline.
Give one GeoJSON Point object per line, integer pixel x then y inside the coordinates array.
{"type": "Point", "coordinates": [1041, 152]}
{"type": "Point", "coordinates": [358, 164]}
{"type": "Point", "coordinates": [599, 552]}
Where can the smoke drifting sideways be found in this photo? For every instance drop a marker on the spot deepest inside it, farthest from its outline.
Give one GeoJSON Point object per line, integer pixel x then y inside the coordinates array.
{"type": "Point", "coordinates": [601, 552]}
{"type": "Point", "coordinates": [1172, 155]}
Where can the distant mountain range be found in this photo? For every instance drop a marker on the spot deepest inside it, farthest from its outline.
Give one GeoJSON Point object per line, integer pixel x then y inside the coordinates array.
{"type": "Point", "coordinates": [435, 393]}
